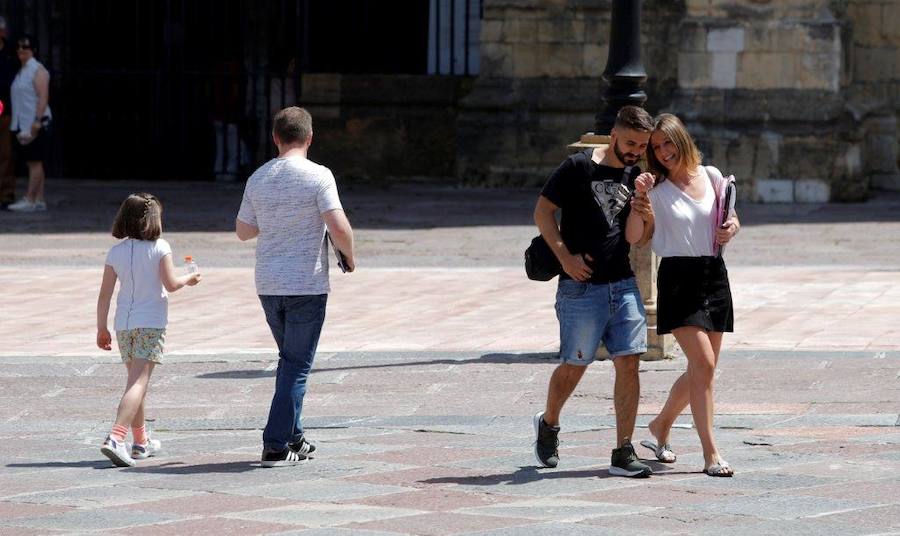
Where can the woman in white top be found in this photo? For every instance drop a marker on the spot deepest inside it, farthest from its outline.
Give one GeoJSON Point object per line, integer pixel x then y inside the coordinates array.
{"type": "Point", "coordinates": [31, 116]}
{"type": "Point", "coordinates": [694, 298]}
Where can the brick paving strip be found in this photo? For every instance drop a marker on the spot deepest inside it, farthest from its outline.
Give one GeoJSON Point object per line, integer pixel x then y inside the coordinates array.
{"type": "Point", "coordinates": [433, 359]}
{"type": "Point", "coordinates": [50, 311]}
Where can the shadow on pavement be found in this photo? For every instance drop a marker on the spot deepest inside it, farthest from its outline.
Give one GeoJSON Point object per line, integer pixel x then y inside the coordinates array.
{"type": "Point", "coordinates": [93, 464]}
{"type": "Point", "coordinates": [171, 468]}
{"type": "Point", "coordinates": [526, 475]}
{"type": "Point", "coordinates": [179, 468]}
{"type": "Point", "coordinates": [523, 475]}
{"type": "Point", "coordinates": [497, 358]}
{"type": "Point", "coordinates": [89, 206]}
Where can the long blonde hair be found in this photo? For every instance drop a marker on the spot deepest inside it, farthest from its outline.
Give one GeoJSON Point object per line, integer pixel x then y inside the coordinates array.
{"type": "Point", "coordinates": [689, 155]}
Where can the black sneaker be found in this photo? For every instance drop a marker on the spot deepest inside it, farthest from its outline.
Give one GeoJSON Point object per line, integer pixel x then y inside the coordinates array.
{"type": "Point", "coordinates": [626, 463]}
{"type": "Point", "coordinates": [302, 447]}
{"type": "Point", "coordinates": [546, 443]}
{"type": "Point", "coordinates": [278, 458]}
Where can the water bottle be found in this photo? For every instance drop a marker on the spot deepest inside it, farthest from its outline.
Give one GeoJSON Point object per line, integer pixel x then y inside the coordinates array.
{"type": "Point", "coordinates": [190, 265]}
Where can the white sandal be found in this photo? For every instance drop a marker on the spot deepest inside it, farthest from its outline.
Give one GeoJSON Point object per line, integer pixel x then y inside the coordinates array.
{"type": "Point", "coordinates": [663, 452]}
{"type": "Point", "coordinates": [720, 469]}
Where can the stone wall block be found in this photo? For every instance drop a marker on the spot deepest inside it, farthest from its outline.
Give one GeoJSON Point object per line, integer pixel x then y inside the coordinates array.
{"type": "Point", "coordinates": [560, 60]}
{"type": "Point", "coordinates": [496, 60]}
{"type": "Point", "coordinates": [868, 23]}
{"type": "Point", "coordinates": [811, 191]}
{"type": "Point", "coordinates": [774, 191]}
{"type": "Point", "coordinates": [526, 62]}
{"type": "Point", "coordinates": [774, 37]}
{"type": "Point", "coordinates": [694, 69]}
{"type": "Point", "coordinates": [705, 8]}
{"type": "Point", "coordinates": [818, 71]}
{"type": "Point", "coordinates": [520, 31]}
{"type": "Point", "coordinates": [808, 155]}
{"type": "Point", "coordinates": [768, 153]}
{"type": "Point", "coordinates": [725, 39]}
{"type": "Point", "coordinates": [880, 145]}
{"type": "Point", "coordinates": [321, 88]}
{"type": "Point", "coordinates": [561, 30]}
{"type": "Point", "coordinates": [594, 59]}
{"type": "Point", "coordinates": [724, 70]}
{"type": "Point", "coordinates": [875, 64]}
{"type": "Point", "coordinates": [848, 183]}
{"type": "Point", "coordinates": [491, 31]}
{"type": "Point", "coordinates": [596, 30]}
{"type": "Point", "coordinates": [692, 37]}
{"type": "Point", "coordinates": [766, 70]}
{"type": "Point", "coordinates": [770, 9]}
{"type": "Point", "coordinates": [740, 155]}
{"type": "Point", "coordinates": [890, 23]}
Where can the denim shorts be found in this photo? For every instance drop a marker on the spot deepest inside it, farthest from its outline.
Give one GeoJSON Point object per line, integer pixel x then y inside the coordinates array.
{"type": "Point", "coordinates": [591, 314]}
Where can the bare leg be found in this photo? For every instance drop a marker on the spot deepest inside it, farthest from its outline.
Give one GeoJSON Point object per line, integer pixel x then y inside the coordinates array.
{"type": "Point", "coordinates": [626, 395]}
{"type": "Point", "coordinates": [562, 383]}
{"type": "Point", "coordinates": [138, 420]}
{"type": "Point", "coordinates": [132, 401]}
{"type": "Point", "coordinates": [701, 358]}
{"type": "Point", "coordinates": [35, 181]}
{"type": "Point", "coordinates": [679, 398]}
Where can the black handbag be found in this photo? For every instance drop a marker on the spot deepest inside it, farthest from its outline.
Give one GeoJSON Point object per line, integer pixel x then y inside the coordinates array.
{"type": "Point", "coordinates": [541, 263]}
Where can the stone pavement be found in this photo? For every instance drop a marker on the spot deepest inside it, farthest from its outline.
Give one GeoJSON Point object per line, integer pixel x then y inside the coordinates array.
{"type": "Point", "coordinates": [434, 357]}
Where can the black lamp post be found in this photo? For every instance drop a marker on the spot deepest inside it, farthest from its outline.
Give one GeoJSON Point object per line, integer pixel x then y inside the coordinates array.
{"type": "Point", "coordinates": [624, 71]}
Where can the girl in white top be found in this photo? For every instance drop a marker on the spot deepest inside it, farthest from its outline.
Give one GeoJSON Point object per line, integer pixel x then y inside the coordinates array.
{"type": "Point", "coordinates": [142, 263]}
{"type": "Point", "coordinates": [694, 298]}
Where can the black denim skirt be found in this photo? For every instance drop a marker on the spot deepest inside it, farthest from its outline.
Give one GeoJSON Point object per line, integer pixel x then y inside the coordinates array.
{"type": "Point", "coordinates": [693, 291]}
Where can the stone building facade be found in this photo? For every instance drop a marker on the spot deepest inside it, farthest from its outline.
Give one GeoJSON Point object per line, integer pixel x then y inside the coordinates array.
{"type": "Point", "coordinates": [798, 98]}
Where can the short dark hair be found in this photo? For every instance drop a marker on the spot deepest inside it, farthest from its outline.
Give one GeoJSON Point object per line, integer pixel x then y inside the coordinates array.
{"type": "Point", "coordinates": [634, 118]}
{"type": "Point", "coordinates": [139, 217]}
{"type": "Point", "coordinates": [293, 125]}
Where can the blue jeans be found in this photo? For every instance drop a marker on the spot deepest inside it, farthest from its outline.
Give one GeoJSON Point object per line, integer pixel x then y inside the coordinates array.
{"type": "Point", "coordinates": [591, 314]}
{"type": "Point", "coordinates": [296, 323]}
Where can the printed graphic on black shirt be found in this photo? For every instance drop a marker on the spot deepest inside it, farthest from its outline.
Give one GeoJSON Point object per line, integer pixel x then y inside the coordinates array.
{"type": "Point", "coordinates": [611, 196]}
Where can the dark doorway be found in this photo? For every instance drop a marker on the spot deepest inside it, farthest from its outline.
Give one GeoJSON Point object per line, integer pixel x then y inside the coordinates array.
{"type": "Point", "coordinates": [185, 89]}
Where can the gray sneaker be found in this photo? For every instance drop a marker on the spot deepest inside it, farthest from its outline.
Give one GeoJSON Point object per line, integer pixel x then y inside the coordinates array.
{"type": "Point", "coordinates": [546, 442]}
{"type": "Point", "coordinates": [626, 463]}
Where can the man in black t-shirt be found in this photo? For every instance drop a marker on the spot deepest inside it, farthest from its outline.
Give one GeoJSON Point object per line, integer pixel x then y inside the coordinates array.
{"type": "Point", "coordinates": [597, 301]}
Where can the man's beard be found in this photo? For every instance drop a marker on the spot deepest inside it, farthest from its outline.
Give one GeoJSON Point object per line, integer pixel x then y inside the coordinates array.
{"type": "Point", "coordinates": [629, 159]}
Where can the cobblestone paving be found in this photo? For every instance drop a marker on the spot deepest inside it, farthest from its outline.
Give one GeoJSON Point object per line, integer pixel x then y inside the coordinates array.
{"type": "Point", "coordinates": [434, 357]}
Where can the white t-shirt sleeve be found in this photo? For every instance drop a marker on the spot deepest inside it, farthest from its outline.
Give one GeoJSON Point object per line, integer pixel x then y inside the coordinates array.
{"type": "Point", "coordinates": [109, 258]}
{"type": "Point", "coordinates": [327, 198]}
{"type": "Point", "coordinates": [162, 248]}
{"type": "Point", "coordinates": [246, 213]}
